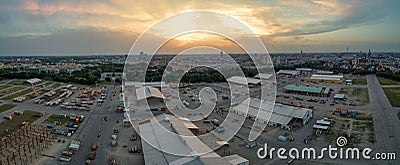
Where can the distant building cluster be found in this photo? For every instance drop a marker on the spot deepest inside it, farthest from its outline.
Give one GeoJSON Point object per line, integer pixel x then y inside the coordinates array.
{"type": "Point", "coordinates": [346, 60]}
{"type": "Point", "coordinates": [65, 65]}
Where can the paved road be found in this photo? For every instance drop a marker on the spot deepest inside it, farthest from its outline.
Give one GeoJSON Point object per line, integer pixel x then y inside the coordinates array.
{"type": "Point", "coordinates": [386, 123]}
{"type": "Point", "coordinates": [95, 123]}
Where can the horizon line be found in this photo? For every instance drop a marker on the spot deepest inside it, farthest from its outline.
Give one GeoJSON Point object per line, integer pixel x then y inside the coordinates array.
{"type": "Point", "coordinates": [234, 53]}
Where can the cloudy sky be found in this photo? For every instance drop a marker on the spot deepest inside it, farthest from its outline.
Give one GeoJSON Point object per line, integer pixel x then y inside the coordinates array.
{"type": "Point", "coordinates": [111, 26]}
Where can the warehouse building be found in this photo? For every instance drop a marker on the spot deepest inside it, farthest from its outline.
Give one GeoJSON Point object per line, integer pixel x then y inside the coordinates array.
{"type": "Point", "coordinates": [290, 73]}
{"type": "Point", "coordinates": [263, 76]}
{"type": "Point", "coordinates": [304, 70]}
{"type": "Point", "coordinates": [243, 81]}
{"type": "Point", "coordinates": [275, 115]}
{"type": "Point", "coordinates": [324, 72]}
{"type": "Point", "coordinates": [33, 81]}
{"type": "Point", "coordinates": [148, 93]}
{"type": "Point", "coordinates": [170, 129]}
{"type": "Point", "coordinates": [339, 96]}
{"type": "Point", "coordinates": [136, 84]}
{"type": "Point", "coordinates": [326, 78]}
{"type": "Point", "coordinates": [307, 90]}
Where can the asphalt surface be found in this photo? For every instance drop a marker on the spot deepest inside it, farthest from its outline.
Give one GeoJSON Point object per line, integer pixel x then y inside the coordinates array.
{"type": "Point", "coordinates": [95, 123]}
{"type": "Point", "coordinates": [386, 123]}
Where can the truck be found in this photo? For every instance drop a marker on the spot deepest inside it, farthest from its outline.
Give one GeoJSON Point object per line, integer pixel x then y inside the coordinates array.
{"type": "Point", "coordinates": [215, 121]}
{"type": "Point", "coordinates": [59, 132]}
{"type": "Point", "coordinates": [72, 116]}
{"type": "Point", "coordinates": [50, 126]}
{"type": "Point", "coordinates": [68, 152]}
{"type": "Point", "coordinates": [74, 147]}
{"type": "Point", "coordinates": [251, 144]}
{"type": "Point", "coordinates": [133, 137]}
{"type": "Point", "coordinates": [220, 129]}
{"type": "Point", "coordinates": [120, 109]}
{"type": "Point", "coordinates": [282, 138]}
{"type": "Point", "coordinates": [133, 149]}
{"type": "Point", "coordinates": [113, 143]}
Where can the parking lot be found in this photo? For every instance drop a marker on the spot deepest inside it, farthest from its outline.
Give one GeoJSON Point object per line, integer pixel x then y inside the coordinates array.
{"type": "Point", "coordinates": [75, 113]}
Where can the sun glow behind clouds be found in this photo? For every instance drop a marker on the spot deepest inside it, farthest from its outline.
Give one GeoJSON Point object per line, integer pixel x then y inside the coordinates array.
{"type": "Point", "coordinates": [276, 22]}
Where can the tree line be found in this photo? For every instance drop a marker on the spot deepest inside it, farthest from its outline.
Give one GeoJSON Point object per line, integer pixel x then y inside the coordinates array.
{"type": "Point", "coordinates": [87, 75]}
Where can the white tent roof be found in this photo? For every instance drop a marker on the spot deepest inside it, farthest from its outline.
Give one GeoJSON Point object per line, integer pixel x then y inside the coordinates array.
{"type": "Point", "coordinates": [157, 131]}
{"type": "Point", "coordinates": [142, 84]}
{"type": "Point", "coordinates": [304, 69]}
{"type": "Point", "coordinates": [290, 72]}
{"type": "Point", "coordinates": [148, 92]}
{"type": "Point", "coordinates": [326, 77]}
{"type": "Point", "coordinates": [243, 80]}
{"type": "Point", "coordinates": [33, 80]}
{"type": "Point", "coordinates": [281, 114]}
{"type": "Point", "coordinates": [263, 76]}
{"type": "Point", "coordinates": [338, 96]}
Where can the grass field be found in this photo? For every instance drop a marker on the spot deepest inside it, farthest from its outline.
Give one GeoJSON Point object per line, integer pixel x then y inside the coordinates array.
{"type": "Point", "coordinates": [56, 117]}
{"type": "Point", "coordinates": [393, 94]}
{"type": "Point", "coordinates": [17, 82]}
{"type": "Point", "coordinates": [47, 83]}
{"type": "Point", "coordinates": [24, 92]}
{"type": "Point", "coordinates": [3, 87]}
{"type": "Point", "coordinates": [6, 107]}
{"type": "Point", "coordinates": [15, 123]}
{"type": "Point", "coordinates": [361, 94]}
{"type": "Point", "coordinates": [385, 81]}
{"type": "Point", "coordinates": [359, 81]}
{"type": "Point", "coordinates": [55, 85]}
{"type": "Point", "coordinates": [11, 90]}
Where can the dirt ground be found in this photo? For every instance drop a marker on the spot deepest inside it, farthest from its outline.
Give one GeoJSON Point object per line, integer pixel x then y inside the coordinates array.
{"type": "Point", "coordinates": [359, 131]}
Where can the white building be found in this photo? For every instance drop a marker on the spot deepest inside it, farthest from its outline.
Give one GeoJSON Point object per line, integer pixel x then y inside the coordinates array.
{"type": "Point", "coordinates": [165, 132]}
{"type": "Point", "coordinates": [263, 76]}
{"type": "Point", "coordinates": [33, 81]}
{"type": "Point", "coordinates": [279, 115]}
{"type": "Point", "coordinates": [250, 82]}
{"type": "Point", "coordinates": [289, 72]}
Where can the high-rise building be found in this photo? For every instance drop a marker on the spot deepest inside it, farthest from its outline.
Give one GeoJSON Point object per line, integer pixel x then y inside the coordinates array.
{"type": "Point", "coordinates": [278, 60]}
{"type": "Point", "coordinates": [369, 56]}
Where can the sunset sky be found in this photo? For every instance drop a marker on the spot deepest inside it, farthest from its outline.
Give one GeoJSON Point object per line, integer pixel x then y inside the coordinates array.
{"type": "Point", "coordinates": [51, 27]}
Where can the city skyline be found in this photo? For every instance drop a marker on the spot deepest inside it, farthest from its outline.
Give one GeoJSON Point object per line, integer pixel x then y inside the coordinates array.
{"type": "Point", "coordinates": [30, 27]}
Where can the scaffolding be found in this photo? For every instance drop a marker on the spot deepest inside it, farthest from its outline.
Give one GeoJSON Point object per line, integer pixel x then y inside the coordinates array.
{"type": "Point", "coordinates": [25, 145]}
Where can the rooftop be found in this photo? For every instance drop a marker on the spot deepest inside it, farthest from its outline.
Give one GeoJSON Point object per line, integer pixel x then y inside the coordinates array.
{"type": "Point", "coordinates": [327, 77]}
{"type": "Point", "coordinates": [289, 72]}
{"type": "Point", "coordinates": [309, 89]}
{"type": "Point", "coordinates": [263, 76]}
{"type": "Point", "coordinates": [243, 80]}
{"type": "Point", "coordinates": [171, 134]}
{"type": "Point", "coordinates": [148, 92]}
{"type": "Point", "coordinates": [277, 113]}
{"type": "Point", "coordinates": [304, 69]}
{"type": "Point", "coordinates": [141, 84]}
